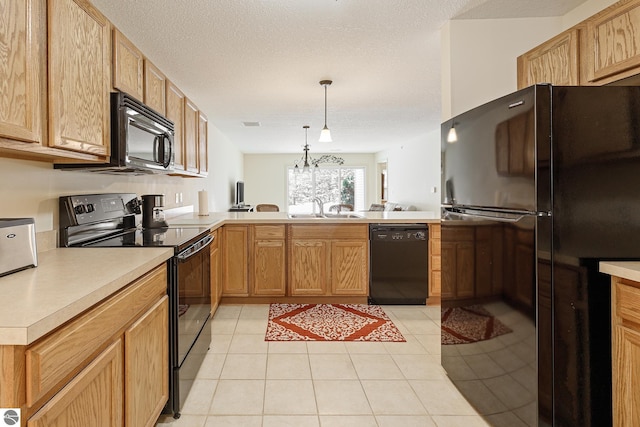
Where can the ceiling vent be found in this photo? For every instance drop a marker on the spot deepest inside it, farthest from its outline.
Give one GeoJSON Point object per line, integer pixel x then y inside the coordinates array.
{"type": "Point", "coordinates": [251, 124]}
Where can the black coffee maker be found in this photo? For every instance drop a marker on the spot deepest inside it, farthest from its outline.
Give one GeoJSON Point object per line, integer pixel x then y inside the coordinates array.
{"type": "Point", "coordinates": [152, 211]}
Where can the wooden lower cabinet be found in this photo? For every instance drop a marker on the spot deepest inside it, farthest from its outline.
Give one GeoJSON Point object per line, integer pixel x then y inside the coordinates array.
{"type": "Point", "coordinates": [108, 366]}
{"type": "Point", "coordinates": [268, 260]}
{"type": "Point", "coordinates": [235, 257]}
{"type": "Point", "coordinates": [308, 267]}
{"type": "Point", "coordinates": [327, 260]}
{"type": "Point", "coordinates": [435, 261]}
{"type": "Point", "coordinates": [215, 263]}
{"type": "Point", "coordinates": [349, 267]}
{"type": "Point", "coordinates": [146, 366]}
{"type": "Point", "coordinates": [625, 312]}
{"type": "Point", "coordinates": [93, 398]}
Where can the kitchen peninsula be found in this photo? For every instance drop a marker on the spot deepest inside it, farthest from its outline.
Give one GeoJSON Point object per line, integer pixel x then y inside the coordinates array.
{"type": "Point", "coordinates": [87, 327]}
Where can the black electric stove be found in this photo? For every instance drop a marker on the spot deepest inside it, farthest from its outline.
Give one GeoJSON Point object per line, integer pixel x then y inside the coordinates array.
{"type": "Point", "coordinates": [113, 220]}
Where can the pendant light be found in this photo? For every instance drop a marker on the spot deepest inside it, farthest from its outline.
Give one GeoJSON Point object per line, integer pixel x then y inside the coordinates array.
{"type": "Point", "coordinates": [325, 134]}
{"type": "Point", "coordinates": [452, 136]}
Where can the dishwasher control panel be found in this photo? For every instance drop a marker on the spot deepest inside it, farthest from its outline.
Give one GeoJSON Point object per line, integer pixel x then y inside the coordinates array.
{"type": "Point", "coordinates": [391, 233]}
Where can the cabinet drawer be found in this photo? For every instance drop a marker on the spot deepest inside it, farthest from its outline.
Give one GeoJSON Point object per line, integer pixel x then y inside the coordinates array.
{"type": "Point", "coordinates": [269, 232]}
{"type": "Point", "coordinates": [56, 358]}
{"type": "Point", "coordinates": [330, 231]}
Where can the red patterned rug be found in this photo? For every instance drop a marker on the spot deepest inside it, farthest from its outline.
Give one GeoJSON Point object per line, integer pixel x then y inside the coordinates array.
{"type": "Point", "coordinates": [330, 322]}
{"type": "Point", "coordinates": [464, 325]}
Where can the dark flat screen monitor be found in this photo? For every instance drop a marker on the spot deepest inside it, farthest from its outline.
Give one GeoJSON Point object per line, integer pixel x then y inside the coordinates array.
{"type": "Point", "coordinates": [240, 193]}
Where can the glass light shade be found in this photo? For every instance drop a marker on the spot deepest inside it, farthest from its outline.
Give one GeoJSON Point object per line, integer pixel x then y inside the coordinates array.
{"type": "Point", "coordinates": [325, 135]}
{"type": "Point", "coordinates": [306, 167]}
{"type": "Point", "coordinates": [452, 136]}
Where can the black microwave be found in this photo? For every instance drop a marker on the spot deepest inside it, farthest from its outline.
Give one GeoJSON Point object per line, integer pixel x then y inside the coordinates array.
{"type": "Point", "coordinates": [142, 140]}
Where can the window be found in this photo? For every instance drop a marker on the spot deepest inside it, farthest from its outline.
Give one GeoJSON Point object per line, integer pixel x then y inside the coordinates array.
{"type": "Point", "coordinates": [333, 185]}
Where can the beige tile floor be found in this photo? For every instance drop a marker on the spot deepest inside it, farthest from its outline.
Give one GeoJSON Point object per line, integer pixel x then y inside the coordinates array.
{"type": "Point", "coordinates": [246, 381]}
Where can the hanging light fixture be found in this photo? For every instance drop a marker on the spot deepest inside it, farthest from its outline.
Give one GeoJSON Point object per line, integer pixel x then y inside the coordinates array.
{"type": "Point", "coordinates": [325, 134]}
{"type": "Point", "coordinates": [452, 136]}
{"type": "Point", "coordinates": [306, 161]}
{"type": "Point", "coordinates": [305, 158]}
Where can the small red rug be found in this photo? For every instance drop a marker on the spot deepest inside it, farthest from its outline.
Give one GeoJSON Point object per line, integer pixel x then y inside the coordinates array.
{"type": "Point", "coordinates": [464, 325]}
{"type": "Point", "coordinates": [330, 322]}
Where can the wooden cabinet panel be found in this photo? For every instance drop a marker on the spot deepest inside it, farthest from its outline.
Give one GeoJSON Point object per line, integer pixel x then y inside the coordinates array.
{"type": "Point", "coordinates": [625, 316]}
{"type": "Point", "coordinates": [127, 66]}
{"type": "Point", "coordinates": [154, 87]}
{"type": "Point", "coordinates": [309, 263]}
{"type": "Point", "coordinates": [435, 260]}
{"type": "Point", "coordinates": [626, 376]}
{"type": "Point", "coordinates": [93, 398]}
{"type": "Point", "coordinates": [79, 77]}
{"type": "Point", "coordinates": [147, 366]}
{"type": "Point", "coordinates": [60, 355]}
{"type": "Point", "coordinates": [191, 126]}
{"type": "Point", "coordinates": [203, 144]}
{"type": "Point", "coordinates": [175, 112]}
{"type": "Point", "coordinates": [613, 42]}
{"type": "Point", "coordinates": [22, 71]}
{"type": "Point", "coordinates": [269, 270]}
{"type": "Point", "coordinates": [349, 268]}
{"type": "Point", "coordinates": [555, 61]}
{"type": "Point", "coordinates": [215, 262]}
{"type": "Point", "coordinates": [235, 261]}
{"type": "Point", "coordinates": [268, 260]}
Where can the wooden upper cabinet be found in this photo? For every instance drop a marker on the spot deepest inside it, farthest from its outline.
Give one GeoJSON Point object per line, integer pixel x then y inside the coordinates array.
{"type": "Point", "coordinates": [555, 61]}
{"type": "Point", "coordinates": [127, 66]}
{"type": "Point", "coordinates": [22, 70]}
{"type": "Point", "coordinates": [79, 77]}
{"type": "Point", "coordinates": [191, 125]}
{"type": "Point", "coordinates": [203, 144]}
{"type": "Point", "coordinates": [154, 87]}
{"type": "Point", "coordinates": [175, 112]}
{"type": "Point", "coordinates": [613, 43]}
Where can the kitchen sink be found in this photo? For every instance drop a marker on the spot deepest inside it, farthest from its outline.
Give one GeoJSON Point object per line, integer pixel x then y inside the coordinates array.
{"type": "Point", "coordinates": [342, 215]}
{"type": "Point", "coordinates": [305, 216]}
{"type": "Point", "coordinates": [328, 216]}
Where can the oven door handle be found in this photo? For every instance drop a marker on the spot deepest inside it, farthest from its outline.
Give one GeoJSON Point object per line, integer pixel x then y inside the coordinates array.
{"type": "Point", "coordinates": [195, 248]}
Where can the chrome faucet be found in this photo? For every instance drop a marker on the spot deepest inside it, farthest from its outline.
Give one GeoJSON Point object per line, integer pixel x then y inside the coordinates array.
{"type": "Point", "coordinates": [318, 200]}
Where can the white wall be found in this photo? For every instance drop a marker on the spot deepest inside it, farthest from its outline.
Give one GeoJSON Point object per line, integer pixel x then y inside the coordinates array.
{"type": "Point", "coordinates": [413, 170]}
{"type": "Point", "coordinates": [31, 189]}
{"type": "Point", "coordinates": [265, 176]}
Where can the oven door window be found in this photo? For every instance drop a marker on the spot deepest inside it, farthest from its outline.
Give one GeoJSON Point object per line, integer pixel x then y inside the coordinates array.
{"type": "Point", "coordinates": [148, 143]}
{"type": "Point", "coordinates": [194, 299]}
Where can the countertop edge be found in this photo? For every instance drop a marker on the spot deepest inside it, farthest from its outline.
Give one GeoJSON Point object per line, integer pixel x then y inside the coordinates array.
{"type": "Point", "coordinates": [625, 269]}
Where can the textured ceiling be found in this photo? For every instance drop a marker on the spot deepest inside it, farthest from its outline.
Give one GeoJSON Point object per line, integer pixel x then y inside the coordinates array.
{"type": "Point", "coordinates": [261, 61]}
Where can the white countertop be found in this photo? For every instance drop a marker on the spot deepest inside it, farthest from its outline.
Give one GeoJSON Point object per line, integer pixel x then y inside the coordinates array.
{"type": "Point", "coordinates": [66, 282]}
{"type": "Point", "coordinates": [216, 219]}
{"type": "Point", "coordinates": [625, 269]}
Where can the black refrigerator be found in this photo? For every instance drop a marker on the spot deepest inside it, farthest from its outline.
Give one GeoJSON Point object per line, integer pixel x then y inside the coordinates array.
{"type": "Point", "coordinates": [538, 187]}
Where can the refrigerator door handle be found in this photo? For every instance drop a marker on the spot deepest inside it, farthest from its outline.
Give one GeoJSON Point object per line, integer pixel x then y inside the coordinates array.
{"type": "Point", "coordinates": [502, 216]}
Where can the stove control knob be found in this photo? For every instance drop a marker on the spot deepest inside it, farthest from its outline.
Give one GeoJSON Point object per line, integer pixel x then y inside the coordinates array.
{"type": "Point", "coordinates": [79, 210]}
{"type": "Point", "coordinates": [90, 207]}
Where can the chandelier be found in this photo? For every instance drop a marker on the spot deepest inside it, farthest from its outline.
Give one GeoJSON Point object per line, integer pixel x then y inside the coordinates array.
{"type": "Point", "coordinates": [306, 161]}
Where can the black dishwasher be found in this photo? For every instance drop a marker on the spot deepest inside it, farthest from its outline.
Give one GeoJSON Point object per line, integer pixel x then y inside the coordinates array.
{"type": "Point", "coordinates": [399, 267]}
